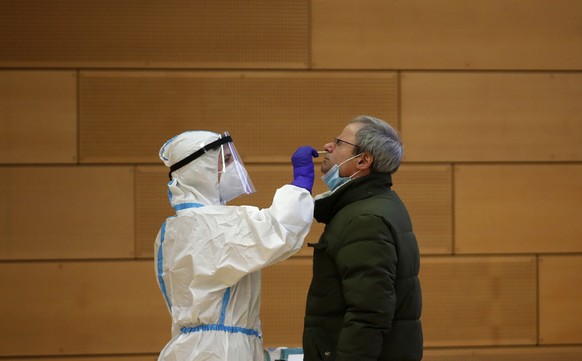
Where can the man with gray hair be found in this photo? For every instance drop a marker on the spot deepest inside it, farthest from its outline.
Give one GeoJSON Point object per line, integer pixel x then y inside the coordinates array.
{"type": "Point", "coordinates": [364, 302]}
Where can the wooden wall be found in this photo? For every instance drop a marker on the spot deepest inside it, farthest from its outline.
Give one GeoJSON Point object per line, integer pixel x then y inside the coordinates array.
{"type": "Point", "coordinates": [487, 96]}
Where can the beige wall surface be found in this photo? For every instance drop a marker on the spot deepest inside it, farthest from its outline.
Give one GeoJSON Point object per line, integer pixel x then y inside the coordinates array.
{"type": "Point", "coordinates": [486, 95]}
{"type": "Point", "coordinates": [38, 110]}
{"type": "Point", "coordinates": [284, 289]}
{"type": "Point", "coordinates": [446, 34]}
{"type": "Point", "coordinates": [66, 212]}
{"type": "Point", "coordinates": [76, 308]}
{"type": "Point", "coordinates": [518, 208]}
{"type": "Point", "coordinates": [560, 295]}
{"type": "Point", "coordinates": [113, 34]}
{"type": "Point", "coordinates": [484, 116]}
{"type": "Point", "coordinates": [269, 114]}
{"type": "Point", "coordinates": [427, 192]}
{"type": "Point", "coordinates": [481, 300]}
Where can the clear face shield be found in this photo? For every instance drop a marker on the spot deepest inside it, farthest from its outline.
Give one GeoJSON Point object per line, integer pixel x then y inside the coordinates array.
{"type": "Point", "coordinates": [233, 179]}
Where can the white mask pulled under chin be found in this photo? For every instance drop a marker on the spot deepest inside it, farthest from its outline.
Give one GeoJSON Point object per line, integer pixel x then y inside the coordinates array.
{"type": "Point", "coordinates": [231, 185]}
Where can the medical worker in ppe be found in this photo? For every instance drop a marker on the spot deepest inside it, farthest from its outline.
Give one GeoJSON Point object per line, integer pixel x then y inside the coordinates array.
{"type": "Point", "coordinates": [208, 256]}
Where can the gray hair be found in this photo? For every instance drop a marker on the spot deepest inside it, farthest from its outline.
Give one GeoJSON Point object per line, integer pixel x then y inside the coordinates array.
{"type": "Point", "coordinates": [382, 141]}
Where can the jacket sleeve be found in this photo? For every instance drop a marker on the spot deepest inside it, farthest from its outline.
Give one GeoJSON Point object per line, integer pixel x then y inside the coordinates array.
{"type": "Point", "coordinates": [367, 267]}
{"type": "Point", "coordinates": [243, 239]}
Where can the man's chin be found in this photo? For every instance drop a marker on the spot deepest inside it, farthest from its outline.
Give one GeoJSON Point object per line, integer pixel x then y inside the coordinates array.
{"type": "Point", "coordinates": [324, 168]}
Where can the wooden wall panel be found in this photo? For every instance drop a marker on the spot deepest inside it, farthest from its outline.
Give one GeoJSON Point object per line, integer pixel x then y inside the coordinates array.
{"type": "Point", "coordinates": [127, 116]}
{"type": "Point", "coordinates": [76, 308]}
{"type": "Point", "coordinates": [560, 295]}
{"type": "Point", "coordinates": [478, 301]}
{"type": "Point", "coordinates": [446, 34]}
{"type": "Point", "coordinates": [482, 116]}
{"type": "Point", "coordinates": [66, 212]}
{"type": "Point", "coordinates": [427, 193]}
{"type": "Point", "coordinates": [285, 287]}
{"type": "Point", "coordinates": [505, 354]}
{"type": "Point", "coordinates": [38, 116]}
{"type": "Point", "coordinates": [518, 208]}
{"type": "Point", "coordinates": [109, 33]}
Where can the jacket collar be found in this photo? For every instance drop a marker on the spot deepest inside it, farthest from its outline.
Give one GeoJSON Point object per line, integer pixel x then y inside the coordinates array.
{"type": "Point", "coordinates": [352, 191]}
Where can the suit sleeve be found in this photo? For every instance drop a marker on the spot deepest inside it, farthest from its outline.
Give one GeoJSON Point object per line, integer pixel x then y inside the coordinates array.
{"type": "Point", "coordinates": [244, 239]}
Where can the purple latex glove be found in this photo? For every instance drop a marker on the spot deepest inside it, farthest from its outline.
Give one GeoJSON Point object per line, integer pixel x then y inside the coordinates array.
{"type": "Point", "coordinates": [303, 168]}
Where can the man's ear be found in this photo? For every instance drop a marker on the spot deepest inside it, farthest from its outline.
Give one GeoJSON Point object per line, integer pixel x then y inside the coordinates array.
{"type": "Point", "coordinates": [365, 162]}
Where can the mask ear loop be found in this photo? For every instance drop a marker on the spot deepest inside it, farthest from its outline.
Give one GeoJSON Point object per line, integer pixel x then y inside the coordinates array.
{"type": "Point", "coordinates": [359, 170]}
{"type": "Point", "coordinates": [350, 158]}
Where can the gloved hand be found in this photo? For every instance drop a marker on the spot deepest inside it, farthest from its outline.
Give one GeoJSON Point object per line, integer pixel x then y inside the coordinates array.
{"type": "Point", "coordinates": [303, 169]}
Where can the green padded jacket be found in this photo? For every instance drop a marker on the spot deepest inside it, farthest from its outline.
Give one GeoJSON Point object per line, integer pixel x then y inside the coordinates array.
{"type": "Point", "coordinates": [364, 302]}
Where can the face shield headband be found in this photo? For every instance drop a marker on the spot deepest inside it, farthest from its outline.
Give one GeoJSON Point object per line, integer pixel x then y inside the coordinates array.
{"type": "Point", "coordinates": [211, 146]}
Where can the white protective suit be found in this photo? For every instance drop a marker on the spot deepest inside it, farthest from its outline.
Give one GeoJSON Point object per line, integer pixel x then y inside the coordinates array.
{"type": "Point", "coordinates": [208, 257]}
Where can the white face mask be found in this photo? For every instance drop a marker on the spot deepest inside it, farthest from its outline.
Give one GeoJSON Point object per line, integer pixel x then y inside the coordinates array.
{"type": "Point", "coordinates": [231, 185]}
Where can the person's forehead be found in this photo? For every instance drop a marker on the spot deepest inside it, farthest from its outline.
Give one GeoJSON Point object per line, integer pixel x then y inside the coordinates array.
{"type": "Point", "coordinates": [349, 132]}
